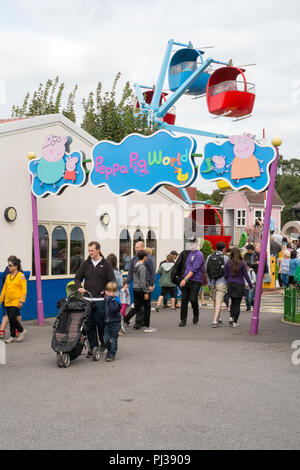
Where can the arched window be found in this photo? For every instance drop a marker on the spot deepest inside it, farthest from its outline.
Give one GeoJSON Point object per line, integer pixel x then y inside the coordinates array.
{"type": "Point", "coordinates": [76, 249]}
{"type": "Point", "coordinates": [44, 251]}
{"type": "Point", "coordinates": [125, 250]}
{"type": "Point", "coordinates": [151, 243]}
{"type": "Point", "coordinates": [138, 236]}
{"type": "Point", "coordinates": [59, 251]}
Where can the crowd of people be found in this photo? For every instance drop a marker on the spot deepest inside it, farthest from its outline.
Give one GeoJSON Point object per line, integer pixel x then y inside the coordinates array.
{"type": "Point", "coordinates": [230, 276]}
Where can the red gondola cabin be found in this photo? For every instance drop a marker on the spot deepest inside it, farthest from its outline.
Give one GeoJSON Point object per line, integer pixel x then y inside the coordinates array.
{"type": "Point", "coordinates": [170, 117]}
{"type": "Point", "coordinates": [228, 97]}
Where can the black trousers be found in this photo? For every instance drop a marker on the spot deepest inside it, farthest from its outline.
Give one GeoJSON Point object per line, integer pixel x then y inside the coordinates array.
{"type": "Point", "coordinates": [12, 314]}
{"type": "Point", "coordinates": [139, 302]}
{"type": "Point", "coordinates": [95, 324]}
{"type": "Point", "coordinates": [235, 308]}
{"type": "Point", "coordinates": [190, 293]}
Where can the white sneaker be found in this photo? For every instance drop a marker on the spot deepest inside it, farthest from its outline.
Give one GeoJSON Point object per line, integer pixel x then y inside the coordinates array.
{"type": "Point", "coordinates": [11, 339]}
{"type": "Point", "coordinates": [236, 325]}
{"type": "Point", "coordinates": [230, 321]}
{"type": "Point", "coordinates": [123, 330]}
{"type": "Point", "coordinates": [150, 330]}
{"type": "Point", "coordinates": [20, 338]}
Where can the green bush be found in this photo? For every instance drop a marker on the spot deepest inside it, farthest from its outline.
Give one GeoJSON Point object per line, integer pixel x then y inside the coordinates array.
{"type": "Point", "coordinates": [207, 249]}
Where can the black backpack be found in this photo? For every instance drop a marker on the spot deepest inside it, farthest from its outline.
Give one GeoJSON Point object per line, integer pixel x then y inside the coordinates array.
{"type": "Point", "coordinates": [215, 266]}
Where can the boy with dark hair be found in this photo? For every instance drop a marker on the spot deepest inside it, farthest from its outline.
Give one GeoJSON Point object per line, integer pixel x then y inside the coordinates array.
{"type": "Point", "coordinates": [112, 321]}
{"type": "Point", "coordinates": [215, 272]}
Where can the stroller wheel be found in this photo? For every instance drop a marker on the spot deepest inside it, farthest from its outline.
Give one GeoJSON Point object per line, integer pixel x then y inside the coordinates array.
{"type": "Point", "coordinates": [66, 360]}
{"type": "Point", "coordinates": [96, 354]}
{"type": "Point", "coordinates": [59, 361]}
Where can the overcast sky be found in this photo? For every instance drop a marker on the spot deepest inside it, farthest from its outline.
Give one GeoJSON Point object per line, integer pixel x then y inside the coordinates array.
{"type": "Point", "coordinates": [89, 41]}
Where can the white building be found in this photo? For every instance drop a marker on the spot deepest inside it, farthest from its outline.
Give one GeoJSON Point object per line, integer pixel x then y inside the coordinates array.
{"type": "Point", "coordinates": [69, 221]}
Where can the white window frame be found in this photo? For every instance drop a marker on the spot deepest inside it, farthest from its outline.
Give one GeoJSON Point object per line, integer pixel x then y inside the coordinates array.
{"type": "Point", "coordinates": [68, 226]}
{"type": "Point", "coordinates": [237, 218]}
{"type": "Point", "coordinates": [261, 216]}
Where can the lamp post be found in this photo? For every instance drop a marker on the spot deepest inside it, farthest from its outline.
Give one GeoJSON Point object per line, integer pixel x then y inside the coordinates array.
{"type": "Point", "coordinates": [276, 142]}
{"type": "Point", "coordinates": [36, 249]}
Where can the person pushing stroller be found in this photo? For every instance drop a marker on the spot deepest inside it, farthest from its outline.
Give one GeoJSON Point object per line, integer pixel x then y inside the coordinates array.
{"type": "Point", "coordinates": [96, 273]}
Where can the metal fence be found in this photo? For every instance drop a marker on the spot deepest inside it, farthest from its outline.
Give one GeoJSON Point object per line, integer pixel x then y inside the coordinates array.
{"type": "Point", "coordinates": [292, 304]}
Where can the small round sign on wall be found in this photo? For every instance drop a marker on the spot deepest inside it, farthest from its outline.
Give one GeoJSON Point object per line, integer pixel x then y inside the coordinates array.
{"type": "Point", "coordinates": [10, 214]}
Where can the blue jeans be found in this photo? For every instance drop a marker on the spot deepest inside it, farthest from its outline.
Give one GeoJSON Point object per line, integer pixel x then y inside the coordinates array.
{"type": "Point", "coordinates": [248, 297]}
{"type": "Point", "coordinates": [285, 280]}
{"type": "Point", "coordinates": [111, 335]}
{"type": "Point", "coordinates": [95, 324]}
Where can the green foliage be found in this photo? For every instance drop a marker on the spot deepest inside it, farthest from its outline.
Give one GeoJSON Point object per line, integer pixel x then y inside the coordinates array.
{"type": "Point", "coordinates": [207, 249]}
{"type": "Point", "coordinates": [288, 185]}
{"type": "Point", "coordinates": [46, 100]}
{"type": "Point", "coordinates": [215, 197]}
{"type": "Point", "coordinates": [107, 119]}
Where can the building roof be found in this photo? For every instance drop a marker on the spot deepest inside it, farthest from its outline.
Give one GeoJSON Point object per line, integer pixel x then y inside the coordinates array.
{"type": "Point", "coordinates": [192, 192]}
{"type": "Point", "coordinates": [296, 206]}
{"type": "Point", "coordinates": [258, 198]}
{"type": "Point", "coordinates": [4, 121]}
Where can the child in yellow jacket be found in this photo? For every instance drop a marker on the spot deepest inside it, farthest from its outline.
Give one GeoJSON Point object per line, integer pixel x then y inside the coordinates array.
{"type": "Point", "coordinates": [14, 295]}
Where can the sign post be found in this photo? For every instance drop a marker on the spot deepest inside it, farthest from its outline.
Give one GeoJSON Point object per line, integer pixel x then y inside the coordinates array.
{"type": "Point", "coordinates": [260, 274]}
{"type": "Point", "coordinates": [36, 249]}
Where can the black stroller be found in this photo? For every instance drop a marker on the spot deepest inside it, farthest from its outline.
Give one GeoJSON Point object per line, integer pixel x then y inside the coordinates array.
{"type": "Point", "coordinates": [69, 336]}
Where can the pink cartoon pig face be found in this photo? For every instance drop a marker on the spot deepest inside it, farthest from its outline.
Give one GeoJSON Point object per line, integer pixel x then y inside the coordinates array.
{"type": "Point", "coordinates": [219, 161]}
{"type": "Point", "coordinates": [71, 163]}
{"type": "Point", "coordinates": [54, 148]}
{"type": "Point", "coordinates": [244, 145]}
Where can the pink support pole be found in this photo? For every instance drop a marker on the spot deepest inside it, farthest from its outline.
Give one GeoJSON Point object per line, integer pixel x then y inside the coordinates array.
{"type": "Point", "coordinates": [263, 247]}
{"type": "Point", "coordinates": [37, 259]}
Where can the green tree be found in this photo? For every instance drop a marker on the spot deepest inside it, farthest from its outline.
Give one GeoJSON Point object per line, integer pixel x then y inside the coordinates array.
{"type": "Point", "coordinates": [207, 249]}
{"type": "Point", "coordinates": [288, 188]}
{"type": "Point", "coordinates": [215, 197]}
{"type": "Point", "coordinates": [107, 119]}
{"type": "Point", "coordinates": [46, 100]}
{"type": "Point", "coordinates": [288, 185]}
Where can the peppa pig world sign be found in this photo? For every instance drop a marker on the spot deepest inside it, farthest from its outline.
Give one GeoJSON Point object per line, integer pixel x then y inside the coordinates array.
{"type": "Point", "coordinates": [240, 161]}
{"type": "Point", "coordinates": [143, 163]}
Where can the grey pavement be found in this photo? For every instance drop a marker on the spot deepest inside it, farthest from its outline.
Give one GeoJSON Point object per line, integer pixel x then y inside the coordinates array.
{"type": "Point", "coordinates": [177, 389]}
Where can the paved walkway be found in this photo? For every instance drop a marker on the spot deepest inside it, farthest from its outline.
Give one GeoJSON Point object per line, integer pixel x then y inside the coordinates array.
{"type": "Point", "coordinates": [179, 388]}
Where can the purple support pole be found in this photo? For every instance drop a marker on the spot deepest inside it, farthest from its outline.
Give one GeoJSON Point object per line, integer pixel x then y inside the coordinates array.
{"type": "Point", "coordinates": [37, 259]}
{"type": "Point", "coordinates": [263, 247]}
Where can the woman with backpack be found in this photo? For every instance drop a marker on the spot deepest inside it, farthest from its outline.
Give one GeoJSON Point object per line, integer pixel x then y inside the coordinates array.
{"type": "Point", "coordinates": [235, 273]}
{"type": "Point", "coordinates": [167, 286]}
{"type": "Point", "coordinates": [215, 272]}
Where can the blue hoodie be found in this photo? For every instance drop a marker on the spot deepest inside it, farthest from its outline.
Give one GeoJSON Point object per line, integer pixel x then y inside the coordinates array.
{"type": "Point", "coordinates": [112, 309]}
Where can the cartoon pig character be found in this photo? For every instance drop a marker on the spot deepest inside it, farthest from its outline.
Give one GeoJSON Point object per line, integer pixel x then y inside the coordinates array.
{"type": "Point", "coordinates": [220, 164]}
{"type": "Point", "coordinates": [70, 173]}
{"type": "Point", "coordinates": [55, 148]}
{"type": "Point", "coordinates": [244, 164]}
{"type": "Point", "coordinates": [51, 166]}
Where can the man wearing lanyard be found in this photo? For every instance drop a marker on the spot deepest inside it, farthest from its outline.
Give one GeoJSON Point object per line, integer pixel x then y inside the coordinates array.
{"type": "Point", "coordinates": [191, 283]}
{"type": "Point", "coordinates": [96, 273]}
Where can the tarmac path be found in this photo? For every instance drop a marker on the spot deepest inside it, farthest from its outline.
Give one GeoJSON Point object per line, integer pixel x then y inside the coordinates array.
{"type": "Point", "coordinates": [179, 388]}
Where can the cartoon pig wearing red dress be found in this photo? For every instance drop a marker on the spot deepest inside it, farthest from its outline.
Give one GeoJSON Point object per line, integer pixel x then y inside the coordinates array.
{"type": "Point", "coordinates": [244, 164]}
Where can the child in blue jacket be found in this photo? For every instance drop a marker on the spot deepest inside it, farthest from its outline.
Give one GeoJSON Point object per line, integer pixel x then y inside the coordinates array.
{"type": "Point", "coordinates": [112, 321]}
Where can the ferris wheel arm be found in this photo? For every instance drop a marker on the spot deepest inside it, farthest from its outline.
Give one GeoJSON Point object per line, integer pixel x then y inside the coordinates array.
{"type": "Point", "coordinates": [163, 109]}
{"type": "Point", "coordinates": [186, 130]}
{"type": "Point", "coordinates": [162, 76]}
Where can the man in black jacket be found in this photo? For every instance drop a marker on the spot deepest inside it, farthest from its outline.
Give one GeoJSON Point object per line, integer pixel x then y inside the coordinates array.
{"type": "Point", "coordinates": [96, 273]}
